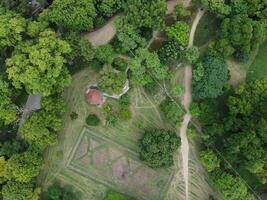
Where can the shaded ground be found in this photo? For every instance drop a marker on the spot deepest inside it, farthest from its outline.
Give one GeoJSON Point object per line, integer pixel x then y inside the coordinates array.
{"type": "Point", "coordinates": [237, 72]}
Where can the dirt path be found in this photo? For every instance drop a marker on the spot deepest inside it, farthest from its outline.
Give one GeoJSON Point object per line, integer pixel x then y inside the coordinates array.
{"type": "Point", "coordinates": [187, 99]}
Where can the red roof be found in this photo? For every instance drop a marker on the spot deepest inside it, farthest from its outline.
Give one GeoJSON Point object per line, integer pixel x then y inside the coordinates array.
{"type": "Point", "coordinates": [95, 97]}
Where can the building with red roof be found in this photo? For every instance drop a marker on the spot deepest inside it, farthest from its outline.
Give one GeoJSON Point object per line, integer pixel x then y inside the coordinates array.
{"type": "Point", "coordinates": [95, 97]}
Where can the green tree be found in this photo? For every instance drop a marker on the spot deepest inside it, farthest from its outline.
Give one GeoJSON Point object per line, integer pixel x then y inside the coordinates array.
{"type": "Point", "coordinates": [17, 191]}
{"type": "Point", "coordinates": [23, 167]}
{"type": "Point", "coordinates": [157, 147]}
{"type": "Point", "coordinates": [177, 90]}
{"type": "Point", "coordinates": [170, 52]}
{"type": "Point", "coordinates": [8, 111]}
{"type": "Point", "coordinates": [191, 55]}
{"type": "Point", "coordinates": [2, 169]}
{"type": "Point", "coordinates": [111, 81]}
{"type": "Point", "coordinates": [39, 65]}
{"type": "Point", "coordinates": [76, 15]}
{"type": "Point", "coordinates": [105, 54]}
{"type": "Point", "coordinates": [12, 27]}
{"type": "Point", "coordinates": [146, 66]}
{"type": "Point", "coordinates": [128, 36]}
{"type": "Point", "coordinates": [172, 111]}
{"type": "Point", "coordinates": [215, 77]}
{"type": "Point", "coordinates": [209, 160]}
{"type": "Point", "coordinates": [180, 11]}
{"type": "Point", "coordinates": [179, 32]}
{"type": "Point", "coordinates": [107, 8]}
{"type": "Point", "coordinates": [36, 133]}
{"type": "Point", "coordinates": [198, 72]}
{"type": "Point", "coordinates": [93, 120]}
{"type": "Point", "coordinates": [215, 6]}
{"type": "Point", "coordinates": [146, 13]}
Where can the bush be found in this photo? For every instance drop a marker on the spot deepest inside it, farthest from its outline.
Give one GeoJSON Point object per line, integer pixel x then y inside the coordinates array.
{"type": "Point", "coordinates": [112, 119]}
{"type": "Point", "coordinates": [59, 155]}
{"type": "Point", "coordinates": [125, 114]}
{"type": "Point", "coordinates": [111, 195]}
{"type": "Point", "coordinates": [119, 64]}
{"type": "Point", "coordinates": [73, 116]}
{"type": "Point", "coordinates": [92, 120]}
{"type": "Point", "coordinates": [125, 100]}
{"type": "Point", "coordinates": [171, 110]}
{"type": "Point", "coordinates": [157, 147]}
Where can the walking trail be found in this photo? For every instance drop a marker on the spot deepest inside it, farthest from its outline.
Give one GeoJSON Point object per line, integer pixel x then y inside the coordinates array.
{"type": "Point", "coordinates": [187, 99]}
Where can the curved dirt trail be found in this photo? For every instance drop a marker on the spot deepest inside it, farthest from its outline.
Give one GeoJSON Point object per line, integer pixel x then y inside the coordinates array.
{"type": "Point", "coordinates": [187, 99]}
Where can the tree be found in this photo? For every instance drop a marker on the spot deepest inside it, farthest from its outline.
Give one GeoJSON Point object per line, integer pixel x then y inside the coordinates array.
{"type": "Point", "coordinates": [36, 133]}
{"type": "Point", "coordinates": [17, 191]}
{"type": "Point", "coordinates": [212, 83]}
{"type": "Point", "coordinates": [107, 8]}
{"type": "Point", "coordinates": [157, 147]}
{"type": "Point", "coordinates": [215, 6]}
{"type": "Point", "coordinates": [2, 169]}
{"type": "Point", "coordinates": [179, 32]}
{"type": "Point", "coordinates": [92, 120]}
{"type": "Point", "coordinates": [76, 15]}
{"type": "Point", "coordinates": [8, 111]}
{"type": "Point", "coordinates": [145, 13]}
{"type": "Point", "coordinates": [170, 52]}
{"type": "Point", "coordinates": [146, 66]}
{"type": "Point", "coordinates": [12, 26]}
{"type": "Point", "coordinates": [55, 192]}
{"type": "Point", "coordinates": [177, 90]}
{"type": "Point", "coordinates": [209, 160]}
{"type": "Point", "coordinates": [18, 6]}
{"type": "Point", "coordinates": [128, 36]}
{"type": "Point", "coordinates": [191, 55]}
{"type": "Point", "coordinates": [198, 72]}
{"type": "Point", "coordinates": [172, 111]}
{"type": "Point", "coordinates": [105, 54]}
{"type": "Point", "coordinates": [23, 167]}
{"type": "Point", "coordinates": [111, 81]}
{"type": "Point", "coordinates": [180, 11]}
{"type": "Point", "coordinates": [39, 65]}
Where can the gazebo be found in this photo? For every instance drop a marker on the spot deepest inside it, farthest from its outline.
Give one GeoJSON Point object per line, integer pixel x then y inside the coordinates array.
{"type": "Point", "coordinates": [95, 97]}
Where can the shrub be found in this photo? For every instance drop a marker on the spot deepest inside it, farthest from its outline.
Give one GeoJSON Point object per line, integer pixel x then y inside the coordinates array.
{"type": "Point", "coordinates": [112, 119]}
{"type": "Point", "coordinates": [125, 114]}
{"type": "Point", "coordinates": [119, 64]}
{"type": "Point", "coordinates": [125, 100]}
{"type": "Point", "coordinates": [92, 120]}
{"type": "Point", "coordinates": [111, 195]}
{"type": "Point", "coordinates": [73, 116]}
{"type": "Point", "coordinates": [157, 147]}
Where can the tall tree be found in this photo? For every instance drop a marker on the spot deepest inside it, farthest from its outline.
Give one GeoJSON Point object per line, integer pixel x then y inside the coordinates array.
{"type": "Point", "coordinates": [73, 14]}
{"type": "Point", "coordinates": [39, 65]}
{"type": "Point", "coordinates": [17, 191]}
{"type": "Point", "coordinates": [23, 167]}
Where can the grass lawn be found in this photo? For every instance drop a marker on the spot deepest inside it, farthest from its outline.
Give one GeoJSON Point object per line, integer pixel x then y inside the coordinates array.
{"type": "Point", "coordinates": [258, 69]}
{"type": "Point", "coordinates": [206, 29]}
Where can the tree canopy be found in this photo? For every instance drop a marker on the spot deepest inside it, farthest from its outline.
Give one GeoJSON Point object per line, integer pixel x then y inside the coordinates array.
{"type": "Point", "coordinates": [17, 191]}
{"type": "Point", "coordinates": [179, 32]}
{"type": "Point", "coordinates": [212, 82]}
{"type": "Point", "coordinates": [72, 14]}
{"type": "Point", "coordinates": [157, 147]}
{"type": "Point", "coordinates": [39, 65]}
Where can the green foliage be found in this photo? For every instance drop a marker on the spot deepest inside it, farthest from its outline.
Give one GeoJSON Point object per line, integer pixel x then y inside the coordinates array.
{"type": "Point", "coordinates": [179, 32]}
{"type": "Point", "coordinates": [34, 28]}
{"type": "Point", "coordinates": [111, 81]}
{"type": "Point", "coordinates": [18, 6]}
{"type": "Point", "coordinates": [105, 54]}
{"type": "Point", "coordinates": [112, 195]}
{"type": "Point", "coordinates": [10, 147]}
{"type": "Point", "coordinates": [56, 192]}
{"type": "Point", "coordinates": [146, 66]}
{"type": "Point", "coordinates": [216, 6]}
{"type": "Point", "coordinates": [128, 36]}
{"type": "Point", "coordinates": [119, 64]}
{"type": "Point", "coordinates": [92, 120]}
{"type": "Point", "coordinates": [12, 26]}
{"type": "Point", "coordinates": [198, 72]}
{"type": "Point", "coordinates": [177, 90]}
{"type": "Point", "coordinates": [125, 100]}
{"type": "Point", "coordinates": [39, 65]}
{"type": "Point", "coordinates": [170, 52]}
{"type": "Point", "coordinates": [209, 160]}
{"type": "Point", "coordinates": [152, 88]}
{"type": "Point", "coordinates": [157, 147]}
{"type": "Point", "coordinates": [112, 119]}
{"type": "Point", "coordinates": [180, 11]}
{"type": "Point", "coordinates": [17, 191]}
{"type": "Point", "coordinates": [23, 167]}
{"type": "Point", "coordinates": [73, 116]}
{"type": "Point", "coordinates": [172, 111]}
{"type": "Point", "coordinates": [81, 48]}
{"type": "Point", "coordinates": [125, 114]}
{"type": "Point", "coordinates": [76, 15]}
{"type": "Point", "coordinates": [191, 55]}
{"type": "Point", "coordinates": [8, 112]}
{"type": "Point", "coordinates": [2, 169]}
{"type": "Point", "coordinates": [108, 8]}
{"type": "Point", "coordinates": [145, 13]}
{"type": "Point", "coordinates": [36, 133]}
{"type": "Point", "coordinates": [212, 83]}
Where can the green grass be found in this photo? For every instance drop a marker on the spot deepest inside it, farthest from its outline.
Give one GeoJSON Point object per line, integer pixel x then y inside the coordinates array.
{"type": "Point", "coordinates": [258, 69]}
{"type": "Point", "coordinates": [116, 196]}
{"type": "Point", "coordinates": [206, 30]}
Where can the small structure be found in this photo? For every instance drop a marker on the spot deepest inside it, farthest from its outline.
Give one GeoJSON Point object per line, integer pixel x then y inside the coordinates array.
{"type": "Point", "coordinates": [95, 97]}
